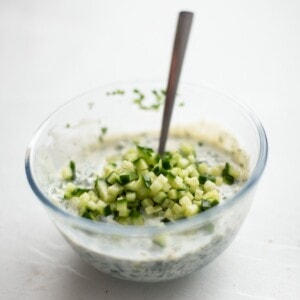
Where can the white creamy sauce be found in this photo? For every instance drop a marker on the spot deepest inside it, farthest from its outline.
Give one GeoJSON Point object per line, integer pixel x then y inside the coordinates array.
{"type": "Point", "coordinates": [181, 254]}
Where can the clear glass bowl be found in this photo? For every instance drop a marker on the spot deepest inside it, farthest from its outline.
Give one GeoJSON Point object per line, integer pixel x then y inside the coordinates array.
{"type": "Point", "coordinates": [132, 252]}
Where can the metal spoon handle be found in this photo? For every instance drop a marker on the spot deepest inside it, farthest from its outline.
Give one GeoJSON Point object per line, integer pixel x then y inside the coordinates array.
{"type": "Point", "coordinates": [181, 38]}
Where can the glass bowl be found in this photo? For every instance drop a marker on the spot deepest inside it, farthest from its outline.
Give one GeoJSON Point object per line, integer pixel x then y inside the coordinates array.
{"type": "Point", "coordinates": [132, 252]}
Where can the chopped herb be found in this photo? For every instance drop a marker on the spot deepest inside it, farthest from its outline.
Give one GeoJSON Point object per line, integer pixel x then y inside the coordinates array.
{"type": "Point", "coordinates": [155, 106]}
{"type": "Point", "coordinates": [68, 125]}
{"type": "Point", "coordinates": [159, 98]}
{"type": "Point", "coordinates": [73, 169]}
{"type": "Point", "coordinates": [158, 95]}
{"type": "Point", "coordinates": [103, 132]}
{"type": "Point", "coordinates": [116, 92]}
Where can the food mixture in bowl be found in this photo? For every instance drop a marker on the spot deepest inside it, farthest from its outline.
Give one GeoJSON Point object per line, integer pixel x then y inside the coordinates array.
{"type": "Point", "coordinates": [134, 185]}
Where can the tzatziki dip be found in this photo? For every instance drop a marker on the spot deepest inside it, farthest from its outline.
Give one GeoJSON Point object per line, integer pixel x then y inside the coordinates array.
{"type": "Point", "coordinates": [132, 185]}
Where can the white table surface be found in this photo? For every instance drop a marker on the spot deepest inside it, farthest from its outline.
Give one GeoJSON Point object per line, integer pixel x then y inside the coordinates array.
{"type": "Point", "coordinates": [53, 50]}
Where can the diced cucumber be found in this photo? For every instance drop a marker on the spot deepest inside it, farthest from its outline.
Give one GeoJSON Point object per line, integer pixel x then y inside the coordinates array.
{"type": "Point", "coordinates": [206, 204]}
{"type": "Point", "coordinates": [185, 201]}
{"type": "Point", "coordinates": [204, 178]}
{"type": "Point", "coordinates": [143, 183]}
{"type": "Point", "coordinates": [189, 195]}
{"type": "Point", "coordinates": [131, 155]}
{"type": "Point", "coordinates": [123, 220]}
{"type": "Point", "coordinates": [177, 209]}
{"type": "Point", "coordinates": [187, 149]}
{"type": "Point", "coordinates": [191, 210]}
{"type": "Point", "coordinates": [165, 203]}
{"type": "Point", "coordinates": [176, 183]}
{"type": "Point", "coordinates": [141, 190]}
{"type": "Point", "coordinates": [160, 240]}
{"type": "Point", "coordinates": [130, 196]}
{"type": "Point", "coordinates": [165, 163]}
{"type": "Point", "coordinates": [113, 191]}
{"type": "Point", "coordinates": [156, 186]}
{"type": "Point", "coordinates": [229, 174]}
{"type": "Point", "coordinates": [214, 195]}
{"type": "Point", "coordinates": [159, 197]}
{"type": "Point", "coordinates": [209, 186]}
{"type": "Point", "coordinates": [147, 180]}
{"type": "Point", "coordinates": [202, 168]}
{"type": "Point", "coordinates": [91, 205]}
{"type": "Point", "coordinates": [198, 194]}
{"type": "Point", "coordinates": [124, 178]}
{"type": "Point", "coordinates": [215, 171]}
{"type": "Point", "coordinates": [90, 215]}
{"type": "Point", "coordinates": [113, 177]}
{"type": "Point", "coordinates": [127, 165]}
{"type": "Point", "coordinates": [136, 217]}
{"type": "Point", "coordinates": [141, 164]}
{"type": "Point", "coordinates": [173, 194]}
{"type": "Point", "coordinates": [147, 202]}
{"type": "Point", "coordinates": [219, 180]}
{"type": "Point", "coordinates": [101, 188]}
{"type": "Point", "coordinates": [150, 210]}
{"type": "Point", "coordinates": [122, 208]}
{"type": "Point", "coordinates": [69, 172]}
{"type": "Point", "coordinates": [103, 208]}
{"type": "Point", "coordinates": [108, 169]}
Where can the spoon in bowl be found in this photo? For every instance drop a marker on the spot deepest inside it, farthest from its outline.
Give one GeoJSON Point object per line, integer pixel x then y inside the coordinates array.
{"type": "Point", "coordinates": [184, 23]}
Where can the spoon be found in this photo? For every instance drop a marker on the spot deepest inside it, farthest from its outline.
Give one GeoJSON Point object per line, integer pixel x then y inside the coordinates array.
{"type": "Point", "coordinates": [184, 23]}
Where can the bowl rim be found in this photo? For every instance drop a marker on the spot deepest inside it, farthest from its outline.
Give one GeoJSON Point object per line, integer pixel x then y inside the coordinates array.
{"type": "Point", "coordinates": [150, 230]}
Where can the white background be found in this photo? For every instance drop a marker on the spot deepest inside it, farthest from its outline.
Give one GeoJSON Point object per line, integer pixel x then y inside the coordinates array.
{"type": "Point", "coordinates": [51, 51]}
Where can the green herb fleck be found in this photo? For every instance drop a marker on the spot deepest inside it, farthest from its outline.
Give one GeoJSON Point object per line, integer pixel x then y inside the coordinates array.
{"type": "Point", "coordinates": [103, 133]}
{"type": "Point", "coordinates": [73, 169]}
{"type": "Point", "coordinates": [159, 98]}
{"type": "Point", "coordinates": [115, 92]}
